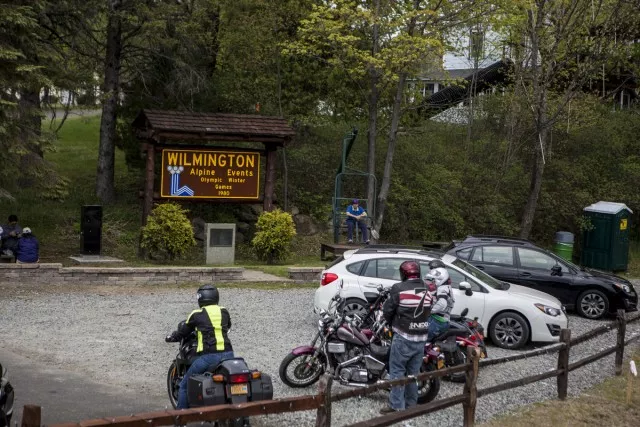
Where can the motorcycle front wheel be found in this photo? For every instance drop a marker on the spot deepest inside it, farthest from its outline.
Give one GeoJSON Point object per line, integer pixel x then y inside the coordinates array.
{"type": "Point", "coordinates": [299, 370]}
{"type": "Point", "coordinates": [173, 384]}
{"type": "Point", "coordinates": [428, 390]}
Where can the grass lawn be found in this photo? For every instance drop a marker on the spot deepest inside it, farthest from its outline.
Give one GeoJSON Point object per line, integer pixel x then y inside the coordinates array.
{"type": "Point", "coordinates": [604, 404]}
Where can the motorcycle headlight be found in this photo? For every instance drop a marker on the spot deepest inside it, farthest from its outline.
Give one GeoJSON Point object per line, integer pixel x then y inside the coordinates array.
{"type": "Point", "coordinates": [622, 287]}
{"type": "Point", "coordinates": [551, 311]}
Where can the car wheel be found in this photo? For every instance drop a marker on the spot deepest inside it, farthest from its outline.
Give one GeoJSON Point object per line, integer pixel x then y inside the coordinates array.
{"type": "Point", "coordinates": [593, 304]}
{"type": "Point", "coordinates": [509, 330]}
{"type": "Point", "coordinates": [356, 306]}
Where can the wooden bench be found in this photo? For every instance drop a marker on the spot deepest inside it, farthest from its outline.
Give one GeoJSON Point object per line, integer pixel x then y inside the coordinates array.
{"type": "Point", "coordinates": [7, 259]}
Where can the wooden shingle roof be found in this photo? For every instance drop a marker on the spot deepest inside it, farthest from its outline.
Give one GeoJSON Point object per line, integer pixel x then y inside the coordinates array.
{"type": "Point", "coordinates": [210, 126]}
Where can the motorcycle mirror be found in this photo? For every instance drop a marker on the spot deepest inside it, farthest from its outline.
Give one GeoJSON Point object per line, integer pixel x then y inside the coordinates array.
{"type": "Point", "coordinates": [464, 312]}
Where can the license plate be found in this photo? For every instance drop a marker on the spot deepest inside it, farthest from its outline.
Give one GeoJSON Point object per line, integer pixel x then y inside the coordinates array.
{"type": "Point", "coordinates": [440, 364]}
{"type": "Point", "coordinates": [239, 389]}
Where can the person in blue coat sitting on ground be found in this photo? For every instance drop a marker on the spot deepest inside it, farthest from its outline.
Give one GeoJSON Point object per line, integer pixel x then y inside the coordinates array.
{"type": "Point", "coordinates": [356, 215]}
{"type": "Point", "coordinates": [28, 250]}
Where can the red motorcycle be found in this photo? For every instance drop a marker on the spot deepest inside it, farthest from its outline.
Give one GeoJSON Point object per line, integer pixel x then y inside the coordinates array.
{"type": "Point", "coordinates": [351, 355]}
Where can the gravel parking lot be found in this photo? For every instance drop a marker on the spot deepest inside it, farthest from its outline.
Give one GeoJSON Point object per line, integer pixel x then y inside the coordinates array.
{"type": "Point", "coordinates": [117, 334]}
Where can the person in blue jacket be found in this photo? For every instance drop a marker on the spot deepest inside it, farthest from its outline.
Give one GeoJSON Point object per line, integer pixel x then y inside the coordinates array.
{"type": "Point", "coordinates": [28, 250]}
{"type": "Point", "coordinates": [356, 215]}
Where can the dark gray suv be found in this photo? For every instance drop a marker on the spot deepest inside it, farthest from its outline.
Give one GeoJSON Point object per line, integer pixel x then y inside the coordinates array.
{"type": "Point", "coordinates": [593, 294]}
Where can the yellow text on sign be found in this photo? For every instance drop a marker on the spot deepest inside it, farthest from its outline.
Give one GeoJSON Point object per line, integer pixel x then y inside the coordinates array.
{"type": "Point", "coordinates": [623, 224]}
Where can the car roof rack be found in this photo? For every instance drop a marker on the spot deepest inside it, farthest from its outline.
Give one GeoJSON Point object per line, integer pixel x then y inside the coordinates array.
{"type": "Point", "coordinates": [497, 239]}
{"type": "Point", "coordinates": [396, 249]}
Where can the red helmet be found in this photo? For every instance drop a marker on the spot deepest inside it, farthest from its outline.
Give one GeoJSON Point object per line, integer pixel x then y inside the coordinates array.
{"type": "Point", "coordinates": [409, 270]}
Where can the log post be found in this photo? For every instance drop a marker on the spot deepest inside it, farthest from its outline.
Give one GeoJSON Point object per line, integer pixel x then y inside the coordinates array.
{"type": "Point", "coordinates": [270, 179]}
{"type": "Point", "coordinates": [149, 178]}
{"type": "Point", "coordinates": [622, 330]}
{"type": "Point", "coordinates": [31, 416]}
{"type": "Point", "coordinates": [323, 416]}
{"type": "Point", "coordinates": [563, 363]}
{"type": "Point", "coordinates": [470, 390]}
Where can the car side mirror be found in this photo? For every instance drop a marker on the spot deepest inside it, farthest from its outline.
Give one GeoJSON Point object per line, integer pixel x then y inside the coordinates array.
{"type": "Point", "coordinates": [556, 270]}
{"type": "Point", "coordinates": [466, 287]}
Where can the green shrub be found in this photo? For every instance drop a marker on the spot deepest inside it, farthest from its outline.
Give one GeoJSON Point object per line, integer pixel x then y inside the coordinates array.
{"type": "Point", "coordinates": [168, 232]}
{"type": "Point", "coordinates": [272, 241]}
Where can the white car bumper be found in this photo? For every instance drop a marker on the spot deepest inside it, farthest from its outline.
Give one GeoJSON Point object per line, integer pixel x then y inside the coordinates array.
{"type": "Point", "coordinates": [545, 328]}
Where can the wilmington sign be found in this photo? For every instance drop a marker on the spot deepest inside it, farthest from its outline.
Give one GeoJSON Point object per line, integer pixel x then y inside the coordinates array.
{"type": "Point", "coordinates": [210, 174]}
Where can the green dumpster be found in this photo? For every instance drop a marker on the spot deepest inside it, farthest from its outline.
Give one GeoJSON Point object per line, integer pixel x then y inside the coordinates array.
{"type": "Point", "coordinates": [606, 244]}
{"type": "Point", "coordinates": [563, 245]}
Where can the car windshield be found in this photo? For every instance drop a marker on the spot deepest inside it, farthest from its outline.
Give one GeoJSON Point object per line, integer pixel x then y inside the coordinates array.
{"type": "Point", "coordinates": [484, 277]}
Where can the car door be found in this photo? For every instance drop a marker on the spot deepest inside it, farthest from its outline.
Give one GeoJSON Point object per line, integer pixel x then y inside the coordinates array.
{"type": "Point", "coordinates": [495, 260]}
{"type": "Point", "coordinates": [534, 271]}
{"type": "Point", "coordinates": [475, 302]}
{"type": "Point", "coordinates": [380, 271]}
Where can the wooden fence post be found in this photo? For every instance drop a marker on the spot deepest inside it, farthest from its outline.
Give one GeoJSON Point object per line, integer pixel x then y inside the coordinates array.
{"type": "Point", "coordinates": [470, 390]}
{"type": "Point", "coordinates": [323, 416]}
{"type": "Point", "coordinates": [563, 363]}
{"type": "Point", "coordinates": [31, 416]}
{"type": "Point", "coordinates": [622, 329]}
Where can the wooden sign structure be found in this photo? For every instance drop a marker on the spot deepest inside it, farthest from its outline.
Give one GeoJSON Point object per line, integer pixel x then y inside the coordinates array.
{"type": "Point", "coordinates": [192, 169]}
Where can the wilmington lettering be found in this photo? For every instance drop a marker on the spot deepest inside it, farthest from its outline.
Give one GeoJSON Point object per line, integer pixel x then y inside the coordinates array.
{"type": "Point", "coordinates": [232, 160]}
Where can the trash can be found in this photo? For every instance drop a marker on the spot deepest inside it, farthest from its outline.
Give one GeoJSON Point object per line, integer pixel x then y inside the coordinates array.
{"type": "Point", "coordinates": [606, 242]}
{"type": "Point", "coordinates": [563, 245]}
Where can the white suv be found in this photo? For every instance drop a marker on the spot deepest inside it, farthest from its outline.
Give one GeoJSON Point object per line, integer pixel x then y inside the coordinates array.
{"type": "Point", "coordinates": [512, 314]}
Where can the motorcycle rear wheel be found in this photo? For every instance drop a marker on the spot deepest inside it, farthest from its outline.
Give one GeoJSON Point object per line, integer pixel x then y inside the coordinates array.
{"type": "Point", "coordinates": [173, 384]}
{"type": "Point", "coordinates": [428, 390]}
{"type": "Point", "coordinates": [457, 358]}
{"type": "Point", "coordinates": [294, 373]}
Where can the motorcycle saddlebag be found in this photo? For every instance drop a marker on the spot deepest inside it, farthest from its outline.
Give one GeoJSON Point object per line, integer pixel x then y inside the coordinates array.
{"type": "Point", "coordinates": [203, 391]}
{"type": "Point", "coordinates": [261, 388]}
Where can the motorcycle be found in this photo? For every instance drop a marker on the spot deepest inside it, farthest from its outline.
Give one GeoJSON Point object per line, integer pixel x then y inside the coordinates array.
{"type": "Point", "coordinates": [350, 355]}
{"type": "Point", "coordinates": [462, 333]}
{"type": "Point", "coordinates": [6, 398]}
{"type": "Point", "coordinates": [231, 381]}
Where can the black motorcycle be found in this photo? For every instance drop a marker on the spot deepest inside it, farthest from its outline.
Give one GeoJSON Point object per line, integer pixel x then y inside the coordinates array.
{"type": "Point", "coordinates": [6, 398]}
{"type": "Point", "coordinates": [230, 381]}
{"type": "Point", "coordinates": [351, 355]}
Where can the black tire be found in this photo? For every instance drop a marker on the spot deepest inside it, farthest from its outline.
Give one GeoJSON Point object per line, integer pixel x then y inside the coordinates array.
{"type": "Point", "coordinates": [427, 395]}
{"type": "Point", "coordinates": [459, 357]}
{"type": "Point", "coordinates": [592, 304]}
{"type": "Point", "coordinates": [173, 384]}
{"type": "Point", "coordinates": [5, 420]}
{"type": "Point", "coordinates": [356, 306]}
{"type": "Point", "coordinates": [509, 330]}
{"type": "Point", "coordinates": [292, 370]}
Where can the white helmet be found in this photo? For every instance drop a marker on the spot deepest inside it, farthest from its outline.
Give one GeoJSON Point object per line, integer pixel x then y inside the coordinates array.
{"type": "Point", "coordinates": [439, 276]}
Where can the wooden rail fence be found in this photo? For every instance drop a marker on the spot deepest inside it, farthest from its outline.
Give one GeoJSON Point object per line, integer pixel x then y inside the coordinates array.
{"type": "Point", "coordinates": [321, 402]}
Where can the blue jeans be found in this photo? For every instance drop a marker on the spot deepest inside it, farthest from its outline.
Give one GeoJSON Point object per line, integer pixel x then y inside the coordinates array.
{"type": "Point", "coordinates": [363, 229]}
{"type": "Point", "coordinates": [436, 328]}
{"type": "Point", "coordinates": [199, 366]}
{"type": "Point", "coordinates": [405, 359]}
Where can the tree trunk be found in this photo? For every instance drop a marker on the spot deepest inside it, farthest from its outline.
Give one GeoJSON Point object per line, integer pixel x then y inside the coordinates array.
{"type": "Point", "coordinates": [534, 189]}
{"type": "Point", "coordinates": [105, 189]}
{"type": "Point", "coordinates": [29, 108]}
{"type": "Point", "coordinates": [388, 163]}
{"type": "Point", "coordinates": [372, 132]}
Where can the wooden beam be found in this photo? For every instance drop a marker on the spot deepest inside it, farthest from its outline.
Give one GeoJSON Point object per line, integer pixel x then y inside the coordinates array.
{"type": "Point", "coordinates": [524, 355]}
{"type": "Point", "coordinates": [622, 329]}
{"type": "Point", "coordinates": [518, 383]}
{"type": "Point", "coordinates": [267, 139]}
{"type": "Point", "coordinates": [563, 364]}
{"type": "Point", "coordinates": [323, 416]}
{"type": "Point", "coordinates": [31, 416]}
{"type": "Point", "coordinates": [593, 333]}
{"type": "Point", "coordinates": [470, 390]}
{"type": "Point", "coordinates": [164, 145]}
{"type": "Point", "coordinates": [592, 358]}
{"type": "Point", "coordinates": [149, 179]}
{"type": "Point", "coordinates": [270, 178]}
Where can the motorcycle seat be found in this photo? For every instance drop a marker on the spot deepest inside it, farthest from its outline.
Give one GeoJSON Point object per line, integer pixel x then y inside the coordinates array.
{"type": "Point", "coordinates": [457, 318]}
{"type": "Point", "coordinates": [445, 335]}
{"type": "Point", "coordinates": [213, 368]}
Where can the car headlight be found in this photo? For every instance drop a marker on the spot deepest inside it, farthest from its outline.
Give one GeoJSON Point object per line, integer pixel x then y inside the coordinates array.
{"type": "Point", "coordinates": [551, 311]}
{"type": "Point", "coordinates": [622, 287]}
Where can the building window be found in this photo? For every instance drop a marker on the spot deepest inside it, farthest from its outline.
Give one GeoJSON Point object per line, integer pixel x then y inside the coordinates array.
{"type": "Point", "coordinates": [476, 45]}
{"type": "Point", "coordinates": [428, 89]}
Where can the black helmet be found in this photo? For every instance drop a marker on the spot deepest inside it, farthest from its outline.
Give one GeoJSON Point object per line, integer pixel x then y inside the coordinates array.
{"type": "Point", "coordinates": [208, 295]}
{"type": "Point", "coordinates": [436, 263]}
{"type": "Point", "coordinates": [409, 270]}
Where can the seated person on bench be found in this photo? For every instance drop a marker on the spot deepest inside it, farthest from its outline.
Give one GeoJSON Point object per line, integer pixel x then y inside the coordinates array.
{"type": "Point", "coordinates": [10, 235]}
{"type": "Point", "coordinates": [356, 215]}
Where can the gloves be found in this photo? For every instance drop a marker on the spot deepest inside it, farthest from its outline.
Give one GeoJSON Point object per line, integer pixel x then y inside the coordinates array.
{"type": "Point", "coordinates": [172, 337]}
